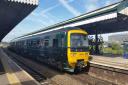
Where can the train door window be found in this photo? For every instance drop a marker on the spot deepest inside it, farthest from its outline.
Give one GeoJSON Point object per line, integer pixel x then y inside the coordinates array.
{"type": "Point", "coordinates": [38, 43]}
{"type": "Point", "coordinates": [61, 39]}
{"type": "Point", "coordinates": [46, 43]}
{"type": "Point", "coordinates": [35, 43]}
{"type": "Point", "coordinates": [30, 43]}
{"type": "Point", "coordinates": [41, 42]}
{"type": "Point", "coordinates": [25, 43]}
{"type": "Point", "coordinates": [55, 43]}
{"type": "Point", "coordinates": [62, 42]}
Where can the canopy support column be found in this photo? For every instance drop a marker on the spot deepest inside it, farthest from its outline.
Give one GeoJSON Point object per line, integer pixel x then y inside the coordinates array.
{"type": "Point", "coordinates": [96, 43]}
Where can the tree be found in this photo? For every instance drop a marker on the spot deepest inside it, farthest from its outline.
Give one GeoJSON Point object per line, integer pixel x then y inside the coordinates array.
{"type": "Point", "coordinates": [116, 46]}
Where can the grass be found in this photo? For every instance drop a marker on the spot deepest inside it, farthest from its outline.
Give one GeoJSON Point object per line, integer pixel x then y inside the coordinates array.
{"type": "Point", "coordinates": [109, 50]}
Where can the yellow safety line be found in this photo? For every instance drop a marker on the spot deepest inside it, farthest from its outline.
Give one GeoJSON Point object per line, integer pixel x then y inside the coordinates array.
{"type": "Point", "coordinates": [13, 80]}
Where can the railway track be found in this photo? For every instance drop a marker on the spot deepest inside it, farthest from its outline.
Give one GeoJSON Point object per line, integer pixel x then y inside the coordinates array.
{"type": "Point", "coordinates": [34, 69]}
{"type": "Point", "coordinates": [43, 74]}
{"type": "Point", "coordinates": [33, 72]}
{"type": "Point", "coordinates": [90, 80]}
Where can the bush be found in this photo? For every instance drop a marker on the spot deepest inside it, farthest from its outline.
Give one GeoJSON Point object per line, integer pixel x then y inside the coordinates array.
{"type": "Point", "coordinates": [116, 46]}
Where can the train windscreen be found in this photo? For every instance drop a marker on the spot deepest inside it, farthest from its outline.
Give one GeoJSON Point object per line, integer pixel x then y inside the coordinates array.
{"type": "Point", "coordinates": [79, 42]}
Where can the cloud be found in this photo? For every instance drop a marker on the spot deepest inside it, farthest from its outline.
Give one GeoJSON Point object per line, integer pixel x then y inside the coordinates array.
{"type": "Point", "coordinates": [34, 14]}
{"type": "Point", "coordinates": [69, 8]}
{"type": "Point", "coordinates": [36, 20]}
{"type": "Point", "coordinates": [53, 7]}
{"type": "Point", "coordinates": [94, 1]}
{"type": "Point", "coordinates": [49, 9]}
{"type": "Point", "coordinates": [70, 0]}
{"type": "Point", "coordinates": [108, 2]}
{"type": "Point", "coordinates": [44, 16]}
{"type": "Point", "coordinates": [91, 5]}
{"type": "Point", "coordinates": [16, 33]}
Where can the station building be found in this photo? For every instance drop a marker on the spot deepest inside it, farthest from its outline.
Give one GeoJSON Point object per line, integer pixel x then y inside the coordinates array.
{"type": "Point", "coordinates": [118, 38]}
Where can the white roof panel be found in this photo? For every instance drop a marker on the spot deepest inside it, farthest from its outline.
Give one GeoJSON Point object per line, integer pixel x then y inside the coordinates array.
{"type": "Point", "coordinates": [32, 2]}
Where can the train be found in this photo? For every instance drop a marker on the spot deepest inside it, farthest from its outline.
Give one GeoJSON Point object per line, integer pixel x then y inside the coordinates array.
{"type": "Point", "coordinates": [66, 49]}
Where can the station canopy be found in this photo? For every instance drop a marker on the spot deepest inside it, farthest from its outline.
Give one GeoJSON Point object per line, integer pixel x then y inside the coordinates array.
{"type": "Point", "coordinates": [12, 12]}
{"type": "Point", "coordinates": [109, 19]}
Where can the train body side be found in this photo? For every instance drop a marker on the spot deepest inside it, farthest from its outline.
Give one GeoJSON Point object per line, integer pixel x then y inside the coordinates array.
{"type": "Point", "coordinates": [52, 48]}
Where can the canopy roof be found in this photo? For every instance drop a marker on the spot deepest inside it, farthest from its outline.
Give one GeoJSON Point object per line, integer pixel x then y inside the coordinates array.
{"type": "Point", "coordinates": [12, 12]}
{"type": "Point", "coordinates": [112, 18]}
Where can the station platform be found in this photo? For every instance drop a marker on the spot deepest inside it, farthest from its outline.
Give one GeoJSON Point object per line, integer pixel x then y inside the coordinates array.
{"type": "Point", "coordinates": [115, 62]}
{"type": "Point", "coordinates": [12, 74]}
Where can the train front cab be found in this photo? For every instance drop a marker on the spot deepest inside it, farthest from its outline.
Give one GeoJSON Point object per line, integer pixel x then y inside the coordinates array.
{"type": "Point", "coordinates": [77, 51]}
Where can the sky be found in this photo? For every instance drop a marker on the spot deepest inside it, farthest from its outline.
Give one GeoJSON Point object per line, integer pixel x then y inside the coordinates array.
{"type": "Point", "coordinates": [50, 12]}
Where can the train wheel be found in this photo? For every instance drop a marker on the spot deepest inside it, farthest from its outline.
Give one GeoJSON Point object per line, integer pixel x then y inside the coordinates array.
{"type": "Point", "coordinates": [87, 67]}
{"type": "Point", "coordinates": [60, 66]}
{"type": "Point", "coordinates": [77, 70]}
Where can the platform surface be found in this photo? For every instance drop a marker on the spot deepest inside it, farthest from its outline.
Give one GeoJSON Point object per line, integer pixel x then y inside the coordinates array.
{"type": "Point", "coordinates": [115, 62]}
{"type": "Point", "coordinates": [14, 75]}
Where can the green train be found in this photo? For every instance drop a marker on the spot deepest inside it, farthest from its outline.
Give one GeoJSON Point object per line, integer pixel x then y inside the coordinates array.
{"type": "Point", "coordinates": [66, 49]}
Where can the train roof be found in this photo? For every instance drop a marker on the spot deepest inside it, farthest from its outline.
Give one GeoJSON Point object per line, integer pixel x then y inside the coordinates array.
{"type": "Point", "coordinates": [44, 32]}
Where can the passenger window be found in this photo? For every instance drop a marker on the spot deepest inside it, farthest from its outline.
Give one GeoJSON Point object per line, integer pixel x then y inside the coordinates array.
{"type": "Point", "coordinates": [34, 43]}
{"type": "Point", "coordinates": [38, 43]}
{"type": "Point", "coordinates": [55, 43]}
{"type": "Point", "coordinates": [46, 43]}
{"type": "Point", "coordinates": [30, 43]}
